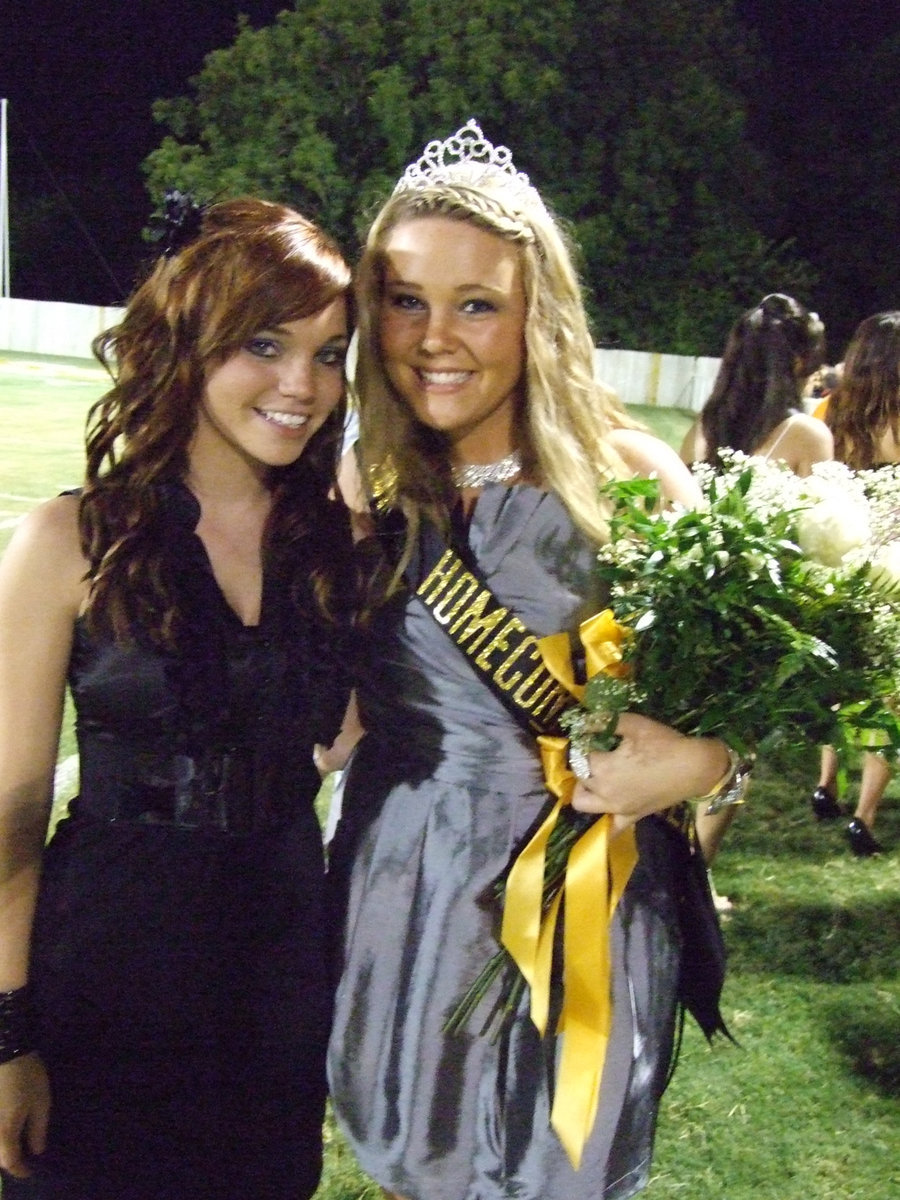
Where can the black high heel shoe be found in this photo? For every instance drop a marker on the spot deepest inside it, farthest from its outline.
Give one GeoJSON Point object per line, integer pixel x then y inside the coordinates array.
{"type": "Point", "coordinates": [861, 841]}
{"type": "Point", "coordinates": [824, 804]}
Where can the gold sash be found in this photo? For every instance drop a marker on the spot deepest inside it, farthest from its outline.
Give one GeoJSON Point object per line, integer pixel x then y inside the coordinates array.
{"type": "Point", "coordinates": [500, 648]}
{"type": "Point", "coordinates": [598, 869]}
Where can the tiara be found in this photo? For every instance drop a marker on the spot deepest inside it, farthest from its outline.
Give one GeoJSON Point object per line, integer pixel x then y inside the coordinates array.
{"type": "Point", "coordinates": [466, 157]}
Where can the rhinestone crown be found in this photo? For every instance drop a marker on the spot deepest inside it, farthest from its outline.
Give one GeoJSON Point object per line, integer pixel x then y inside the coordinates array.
{"type": "Point", "coordinates": [466, 157]}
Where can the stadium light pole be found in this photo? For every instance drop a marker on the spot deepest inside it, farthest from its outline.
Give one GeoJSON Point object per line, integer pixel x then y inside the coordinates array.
{"type": "Point", "coordinates": [4, 206]}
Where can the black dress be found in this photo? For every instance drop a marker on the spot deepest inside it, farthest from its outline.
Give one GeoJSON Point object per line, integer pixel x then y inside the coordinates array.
{"type": "Point", "coordinates": [181, 953]}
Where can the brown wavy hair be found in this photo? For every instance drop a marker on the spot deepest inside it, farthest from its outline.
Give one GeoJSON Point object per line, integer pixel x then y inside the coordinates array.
{"type": "Point", "coordinates": [254, 265]}
{"type": "Point", "coordinates": [866, 402]}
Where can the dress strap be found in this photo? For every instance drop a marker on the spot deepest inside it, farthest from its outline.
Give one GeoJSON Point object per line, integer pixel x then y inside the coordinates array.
{"type": "Point", "coordinates": [787, 424]}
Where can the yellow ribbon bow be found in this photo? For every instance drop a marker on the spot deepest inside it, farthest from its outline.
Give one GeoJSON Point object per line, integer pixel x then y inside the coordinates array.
{"type": "Point", "coordinates": [597, 871]}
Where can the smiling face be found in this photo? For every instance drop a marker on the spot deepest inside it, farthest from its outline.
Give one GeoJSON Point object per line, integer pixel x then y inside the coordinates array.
{"type": "Point", "coordinates": [262, 404]}
{"type": "Point", "coordinates": [452, 329]}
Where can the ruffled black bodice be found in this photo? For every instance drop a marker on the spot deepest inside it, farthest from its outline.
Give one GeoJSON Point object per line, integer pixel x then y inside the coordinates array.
{"type": "Point", "coordinates": [218, 732]}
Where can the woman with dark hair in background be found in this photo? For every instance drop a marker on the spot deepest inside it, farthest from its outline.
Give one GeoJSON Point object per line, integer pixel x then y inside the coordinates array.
{"type": "Point", "coordinates": [756, 403]}
{"type": "Point", "coordinates": [863, 415]}
{"type": "Point", "coordinates": [165, 963]}
{"type": "Point", "coordinates": [756, 407]}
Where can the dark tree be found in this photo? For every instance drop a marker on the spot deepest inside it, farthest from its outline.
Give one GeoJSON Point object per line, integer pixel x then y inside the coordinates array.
{"type": "Point", "coordinates": [628, 114]}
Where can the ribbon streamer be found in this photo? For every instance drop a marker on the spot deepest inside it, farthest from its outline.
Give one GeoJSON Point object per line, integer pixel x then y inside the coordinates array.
{"type": "Point", "coordinates": [596, 874]}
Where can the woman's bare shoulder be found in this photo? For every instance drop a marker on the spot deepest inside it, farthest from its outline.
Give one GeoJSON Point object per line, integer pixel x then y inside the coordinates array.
{"type": "Point", "coordinates": [46, 549]}
{"type": "Point", "coordinates": [800, 440]}
{"type": "Point", "coordinates": [52, 524]}
{"type": "Point", "coordinates": [648, 455]}
{"type": "Point", "coordinates": [805, 425]}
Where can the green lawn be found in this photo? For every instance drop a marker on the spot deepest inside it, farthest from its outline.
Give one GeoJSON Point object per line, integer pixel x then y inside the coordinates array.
{"type": "Point", "coordinates": [808, 1106]}
{"type": "Point", "coordinates": [44, 404]}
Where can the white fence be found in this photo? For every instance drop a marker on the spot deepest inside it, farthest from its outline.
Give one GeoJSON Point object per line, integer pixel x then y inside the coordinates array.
{"type": "Point", "coordinates": [667, 380]}
{"type": "Point", "coordinates": [48, 327]}
{"type": "Point", "coordinates": [638, 377]}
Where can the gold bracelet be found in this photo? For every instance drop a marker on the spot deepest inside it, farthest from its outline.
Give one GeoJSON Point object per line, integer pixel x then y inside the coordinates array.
{"type": "Point", "coordinates": [733, 759]}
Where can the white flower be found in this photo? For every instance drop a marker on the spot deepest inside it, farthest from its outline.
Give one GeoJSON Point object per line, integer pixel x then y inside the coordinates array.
{"type": "Point", "coordinates": [883, 493]}
{"type": "Point", "coordinates": [885, 567]}
{"type": "Point", "coordinates": [832, 476]}
{"type": "Point", "coordinates": [755, 563]}
{"type": "Point", "coordinates": [832, 528]}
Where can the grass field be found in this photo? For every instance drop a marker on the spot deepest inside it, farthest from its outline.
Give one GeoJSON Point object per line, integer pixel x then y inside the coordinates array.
{"type": "Point", "coordinates": [43, 406]}
{"type": "Point", "coordinates": [808, 1106]}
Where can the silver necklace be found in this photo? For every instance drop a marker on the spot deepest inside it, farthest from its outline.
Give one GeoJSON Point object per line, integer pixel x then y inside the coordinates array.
{"type": "Point", "coordinates": [476, 475]}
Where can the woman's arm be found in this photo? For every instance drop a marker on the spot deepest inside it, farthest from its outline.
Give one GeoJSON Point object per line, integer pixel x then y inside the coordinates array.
{"type": "Point", "coordinates": [335, 757]}
{"type": "Point", "coordinates": [647, 455]}
{"type": "Point", "coordinates": [40, 592]}
{"type": "Point", "coordinates": [350, 485]}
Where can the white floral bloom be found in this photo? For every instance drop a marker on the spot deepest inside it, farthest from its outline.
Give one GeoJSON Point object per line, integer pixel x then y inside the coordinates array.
{"type": "Point", "coordinates": [833, 474]}
{"type": "Point", "coordinates": [755, 563]}
{"type": "Point", "coordinates": [773, 489]}
{"type": "Point", "coordinates": [885, 567]}
{"type": "Point", "coordinates": [883, 493]}
{"type": "Point", "coordinates": [831, 529]}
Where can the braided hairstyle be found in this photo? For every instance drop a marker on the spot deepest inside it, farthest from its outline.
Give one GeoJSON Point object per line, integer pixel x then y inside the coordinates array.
{"type": "Point", "coordinates": [567, 415]}
{"type": "Point", "coordinates": [769, 353]}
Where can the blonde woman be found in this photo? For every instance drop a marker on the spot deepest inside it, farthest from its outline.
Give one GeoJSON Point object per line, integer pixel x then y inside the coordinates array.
{"type": "Point", "coordinates": [482, 428]}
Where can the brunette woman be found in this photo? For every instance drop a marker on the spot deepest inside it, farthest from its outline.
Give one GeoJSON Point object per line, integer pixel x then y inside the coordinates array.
{"type": "Point", "coordinates": [864, 417]}
{"type": "Point", "coordinates": [165, 962]}
{"type": "Point", "coordinates": [756, 403]}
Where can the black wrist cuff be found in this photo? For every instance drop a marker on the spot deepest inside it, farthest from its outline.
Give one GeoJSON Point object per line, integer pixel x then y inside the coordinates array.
{"type": "Point", "coordinates": [16, 1024]}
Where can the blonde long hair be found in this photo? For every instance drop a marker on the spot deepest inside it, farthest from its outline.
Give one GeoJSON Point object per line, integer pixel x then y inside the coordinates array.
{"type": "Point", "coordinates": [568, 415]}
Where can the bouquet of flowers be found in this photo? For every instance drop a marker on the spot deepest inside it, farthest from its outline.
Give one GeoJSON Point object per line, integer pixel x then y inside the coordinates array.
{"type": "Point", "coordinates": [769, 612]}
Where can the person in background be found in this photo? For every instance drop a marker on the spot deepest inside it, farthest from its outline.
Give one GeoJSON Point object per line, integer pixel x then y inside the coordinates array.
{"type": "Point", "coordinates": [165, 962]}
{"type": "Point", "coordinates": [820, 387]}
{"type": "Point", "coordinates": [482, 427]}
{"type": "Point", "coordinates": [864, 418]}
{"type": "Point", "coordinates": [756, 406]}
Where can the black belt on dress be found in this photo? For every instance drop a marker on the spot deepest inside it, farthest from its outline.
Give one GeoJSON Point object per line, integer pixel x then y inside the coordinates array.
{"type": "Point", "coordinates": [221, 789]}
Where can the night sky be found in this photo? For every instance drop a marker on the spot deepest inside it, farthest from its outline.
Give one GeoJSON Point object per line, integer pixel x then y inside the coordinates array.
{"type": "Point", "coordinates": [80, 80]}
{"type": "Point", "coordinates": [85, 76]}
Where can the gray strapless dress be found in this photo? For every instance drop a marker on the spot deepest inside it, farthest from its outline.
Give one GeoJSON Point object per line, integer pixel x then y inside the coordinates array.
{"type": "Point", "coordinates": [439, 794]}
